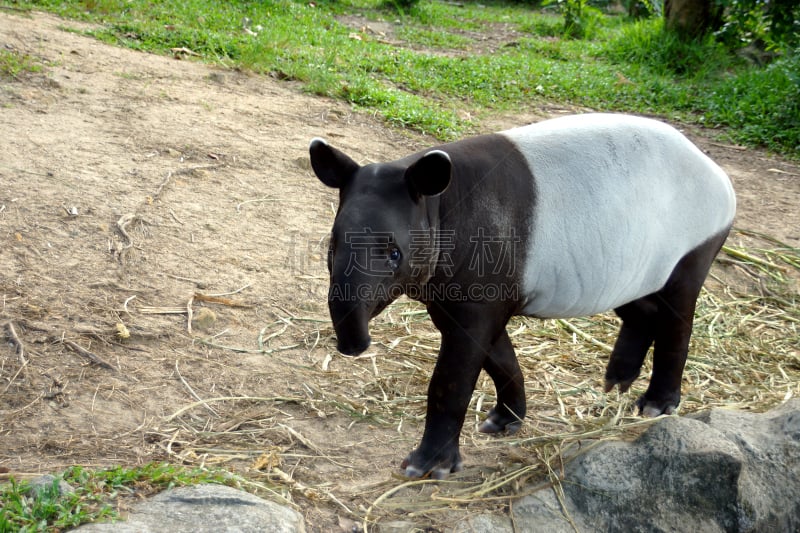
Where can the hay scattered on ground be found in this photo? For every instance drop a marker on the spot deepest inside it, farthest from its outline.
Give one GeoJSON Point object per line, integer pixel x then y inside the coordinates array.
{"type": "Point", "coordinates": [744, 355]}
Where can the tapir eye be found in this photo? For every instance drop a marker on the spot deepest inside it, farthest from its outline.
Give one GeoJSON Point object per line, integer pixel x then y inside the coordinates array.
{"type": "Point", "coordinates": [394, 254]}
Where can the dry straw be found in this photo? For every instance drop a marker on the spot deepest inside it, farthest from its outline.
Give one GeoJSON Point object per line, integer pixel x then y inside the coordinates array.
{"type": "Point", "coordinates": [744, 355]}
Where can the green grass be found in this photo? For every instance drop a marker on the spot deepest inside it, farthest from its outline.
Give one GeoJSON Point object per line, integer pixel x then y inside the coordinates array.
{"type": "Point", "coordinates": [442, 69]}
{"type": "Point", "coordinates": [96, 491]}
{"type": "Point", "coordinates": [761, 105]}
{"type": "Point", "coordinates": [13, 64]}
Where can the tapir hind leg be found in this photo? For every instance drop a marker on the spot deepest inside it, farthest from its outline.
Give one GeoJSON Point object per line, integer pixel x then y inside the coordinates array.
{"type": "Point", "coordinates": [673, 331]}
{"type": "Point", "coordinates": [636, 335]}
{"type": "Point", "coordinates": [673, 328]}
{"type": "Point", "coordinates": [503, 367]}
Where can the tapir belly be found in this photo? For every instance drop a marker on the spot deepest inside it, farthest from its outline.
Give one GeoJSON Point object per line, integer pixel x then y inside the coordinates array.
{"type": "Point", "coordinates": [619, 201]}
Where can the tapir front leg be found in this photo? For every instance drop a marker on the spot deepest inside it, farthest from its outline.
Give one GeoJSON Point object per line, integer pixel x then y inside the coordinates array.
{"type": "Point", "coordinates": [503, 367]}
{"type": "Point", "coordinates": [468, 332]}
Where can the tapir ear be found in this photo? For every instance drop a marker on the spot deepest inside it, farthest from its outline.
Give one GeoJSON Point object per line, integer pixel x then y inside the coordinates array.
{"type": "Point", "coordinates": [332, 167]}
{"type": "Point", "coordinates": [430, 175]}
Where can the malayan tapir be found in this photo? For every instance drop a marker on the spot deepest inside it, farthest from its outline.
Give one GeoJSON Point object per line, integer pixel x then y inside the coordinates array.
{"type": "Point", "coordinates": [567, 217]}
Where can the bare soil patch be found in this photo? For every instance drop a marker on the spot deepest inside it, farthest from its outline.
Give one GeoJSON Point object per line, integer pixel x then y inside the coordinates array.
{"type": "Point", "coordinates": [138, 192]}
{"type": "Point", "coordinates": [494, 36]}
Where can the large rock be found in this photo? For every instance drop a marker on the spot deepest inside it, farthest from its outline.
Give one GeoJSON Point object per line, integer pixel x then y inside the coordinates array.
{"type": "Point", "coordinates": [204, 509]}
{"type": "Point", "coordinates": [717, 471]}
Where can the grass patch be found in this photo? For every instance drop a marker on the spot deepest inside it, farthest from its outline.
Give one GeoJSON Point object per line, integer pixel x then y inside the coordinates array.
{"type": "Point", "coordinates": [14, 64]}
{"type": "Point", "coordinates": [760, 106]}
{"type": "Point", "coordinates": [626, 66]}
{"type": "Point", "coordinates": [647, 45]}
{"type": "Point", "coordinates": [96, 497]}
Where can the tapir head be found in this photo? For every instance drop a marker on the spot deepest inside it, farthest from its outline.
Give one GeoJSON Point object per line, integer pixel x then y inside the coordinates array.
{"type": "Point", "coordinates": [383, 239]}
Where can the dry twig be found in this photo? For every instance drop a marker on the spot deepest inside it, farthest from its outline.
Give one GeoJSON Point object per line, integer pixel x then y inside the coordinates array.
{"type": "Point", "coordinates": [189, 315]}
{"type": "Point", "coordinates": [20, 350]}
{"type": "Point", "coordinates": [19, 347]}
{"type": "Point", "coordinates": [87, 354]}
{"type": "Point", "coordinates": [219, 300]}
{"type": "Point", "coordinates": [192, 392]}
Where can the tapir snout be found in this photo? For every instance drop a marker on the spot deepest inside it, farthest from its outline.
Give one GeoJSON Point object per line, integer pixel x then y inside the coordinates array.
{"type": "Point", "coordinates": [351, 323]}
{"type": "Point", "coordinates": [351, 316]}
{"type": "Point", "coordinates": [353, 340]}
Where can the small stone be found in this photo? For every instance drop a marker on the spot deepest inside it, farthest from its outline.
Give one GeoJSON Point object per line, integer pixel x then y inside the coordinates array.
{"type": "Point", "coordinates": [217, 77]}
{"type": "Point", "coordinates": [203, 319]}
{"type": "Point", "coordinates": [46, 482]}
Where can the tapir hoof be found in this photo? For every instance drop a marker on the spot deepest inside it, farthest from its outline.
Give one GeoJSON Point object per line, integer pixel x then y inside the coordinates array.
{"type": "Point", "coordinates": [489, 426]}
{"type": "Point", "coordinates": [652, 409]}
{"type": "Point", "coordinates": [495, 423]}
{"type": "Point", "coordinates": [440, 471]}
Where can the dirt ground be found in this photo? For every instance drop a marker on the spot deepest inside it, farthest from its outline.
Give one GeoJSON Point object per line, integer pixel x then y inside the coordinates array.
{"type": "Point", "coordinates": [140, 195]}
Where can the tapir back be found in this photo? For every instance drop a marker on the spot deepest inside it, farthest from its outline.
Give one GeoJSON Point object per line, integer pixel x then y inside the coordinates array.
{"type": "Point", "coordinates": [619, 201]}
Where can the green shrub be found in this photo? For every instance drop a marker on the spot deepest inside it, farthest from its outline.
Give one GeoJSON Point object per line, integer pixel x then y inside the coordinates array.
{"type": "Point", "coordinates": [773, 24]}
{"type": "Point", "coordinates": [648, 43]}
{"type": "Point", "coordinates": [581, 19]}
{"type": "Point", "coordinates": [760, 105]}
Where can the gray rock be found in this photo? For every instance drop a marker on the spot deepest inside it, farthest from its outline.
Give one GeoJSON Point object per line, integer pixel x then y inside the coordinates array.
{"type": "Point", "coordinates": [204, 509]}
{"type": "Point", "coordinates": [718, 471]}
{"type": "Point", "coordinates": [770, 481]}
{"type": "Point", "coordinates": [541, 512]}
{"type": "Point", "coordinates": [46, 482]}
